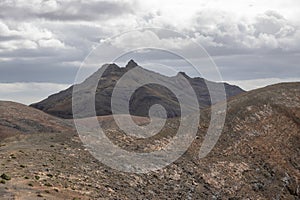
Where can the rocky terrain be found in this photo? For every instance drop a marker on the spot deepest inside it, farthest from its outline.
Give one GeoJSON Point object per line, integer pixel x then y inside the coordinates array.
{"type": "Point", "coordinates": [256, 157]}
{"type": "Point", "coordinates": [60, 104]}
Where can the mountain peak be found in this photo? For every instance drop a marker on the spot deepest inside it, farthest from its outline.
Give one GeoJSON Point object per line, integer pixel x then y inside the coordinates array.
{"type": "Point", "coordinates": [183, 74]}
{"type": "Point", "coordinates": [131, 64]}
{"type": "Point", "coordinates": [111, 68]}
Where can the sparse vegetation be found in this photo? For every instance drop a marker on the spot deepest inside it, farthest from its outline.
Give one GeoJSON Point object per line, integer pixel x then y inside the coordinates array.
{"type": "Point", "coordinates": [5, 177]}
{"type": "Point", "coordinates": [50, 175]}
{"type": "Point", "coordinates": [12, 156]}
{"type": "Point", "coordinates": [39, 195]}
{"type": "Point", "coordinates": [48, 184]}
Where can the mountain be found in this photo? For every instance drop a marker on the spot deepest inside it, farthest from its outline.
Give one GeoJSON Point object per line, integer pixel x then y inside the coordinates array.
{"type": "Point", "coordinates": [60, 104]}
{"type": "Point", "coordinates": [256, 156]}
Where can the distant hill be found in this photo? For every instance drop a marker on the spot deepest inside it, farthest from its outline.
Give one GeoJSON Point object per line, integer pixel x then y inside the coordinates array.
{"type": "Point", "coordinates": [60, 104]}
{"type": "Point", "coordinates": [18, 119]}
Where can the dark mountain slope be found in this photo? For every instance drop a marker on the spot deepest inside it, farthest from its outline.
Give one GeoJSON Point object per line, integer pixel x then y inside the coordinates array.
{"type": "Point", "coordinates": [60, 104]}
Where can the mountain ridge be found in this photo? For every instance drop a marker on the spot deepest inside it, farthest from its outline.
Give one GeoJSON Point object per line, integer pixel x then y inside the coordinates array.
{"type": "Point", "coordinates": [60, 104]}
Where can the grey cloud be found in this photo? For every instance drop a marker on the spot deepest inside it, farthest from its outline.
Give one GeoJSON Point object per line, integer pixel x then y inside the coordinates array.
{"type": "Point", "coordinates": [243, 67]}
{"type": "Point", "coordinates": [80, 36]}
{"type": "Point", "coordinates": [40, 65]}
{"type": "Point", "coordinates": [37, 71]}
{"type": "Point", "coordinates": [270, 22]}
{"type": "Point", "coordinates": [65, 11]}
{"type": "Point", "coordinates": [264, 48]}
{"type": "Point", "coordinates": [87, 11]}
{"type": "Point", "coordinates": [7, 38]}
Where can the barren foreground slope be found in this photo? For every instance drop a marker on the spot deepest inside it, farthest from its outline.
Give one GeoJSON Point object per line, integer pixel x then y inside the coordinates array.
{"type": "Point", "coordinates": [256, 157]}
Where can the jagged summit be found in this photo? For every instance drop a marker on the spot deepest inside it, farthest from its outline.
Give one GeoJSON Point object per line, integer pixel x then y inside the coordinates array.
{"type": "Point", "coordinates": [183, 74]}
{"type": "Point", "coordinates": [111, 68]}
{"type": "Point", "coordinates": [131, 64]}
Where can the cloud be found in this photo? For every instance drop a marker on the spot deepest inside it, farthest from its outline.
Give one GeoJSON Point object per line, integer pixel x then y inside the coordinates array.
{"type": "Point", "coordinates": [46, 40]}
{"type": "Point", "coordinates": [63, 10]}
{"type": "Point", "coordinates": [270, 22]}
{"type": "Point", "coordinates": [151, 38]}
{"type": "Point", "coordinates": [28, 93]}
{"type": "Point", "coordinates": [16, 44]}
{"type": "Point", "coordinates": [51, 43]}
{"type": "Point", "coordinates": [24, 30]}
{"type": "Point", "coordinates": [27, 36]}
{"type": "Point", "coordinates": [224, 30]}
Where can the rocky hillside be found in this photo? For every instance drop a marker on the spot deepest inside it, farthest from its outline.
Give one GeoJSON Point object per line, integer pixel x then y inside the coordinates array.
{"type": "Point", "coordinates": [60, 104]}
{"type": "Point", "coordinates": [256, 157]}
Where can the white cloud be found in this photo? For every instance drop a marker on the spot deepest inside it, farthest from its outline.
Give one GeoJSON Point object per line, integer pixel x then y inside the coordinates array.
{"type": "Point", "coordinates": [16, 44]}
{"type": "Point", "coordinates": [136, 39]}
{"type": "Point", "coordinates": [27, 36]}
{"type": "Point", "coordinates": [52, 43]}
{"type": "Point", "coordinates": [49, 5]}
{"type": "Point", "coordinates": [149, 38]}
{"type": "Point", "coordinates": [30, 31]}
{"type": "Point", "coordinates": [270, 22]}
{"type": "Point", "coordinates": [4, 30]}
{"type": "Point", "coordinates": [269, 30]}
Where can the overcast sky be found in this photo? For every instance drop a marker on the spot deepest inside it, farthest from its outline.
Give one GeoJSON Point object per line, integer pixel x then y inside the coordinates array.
{"type": "Point", "coordinates": [43, 42]}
